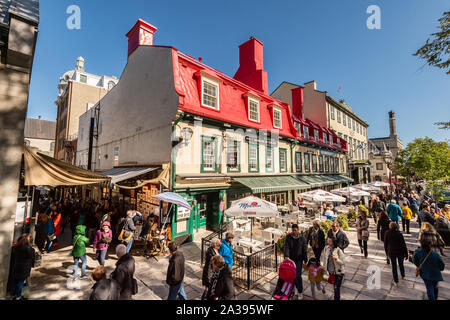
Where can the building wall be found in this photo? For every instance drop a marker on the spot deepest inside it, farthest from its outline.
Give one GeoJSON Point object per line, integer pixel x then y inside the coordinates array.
{"type": "Point", "coordinates": [314, 104]}
{"type": "Point", "coordinates": [137, 114]}
{"type": "Point", "coordinates": [84, 124]}
{"type": "Point", "coordinates": [43, 145]}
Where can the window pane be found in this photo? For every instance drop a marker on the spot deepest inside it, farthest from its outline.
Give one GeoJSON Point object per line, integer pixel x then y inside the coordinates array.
{"type": "Point", "coordinates": [314, 163]}
{"type": "Point", "coordinates": [210, 94]}
{"type": "Point", "coordinates": [283, 160]}
{"type": "Point", "coordinates": [253, 157]}
{"type": "Point", "coordinates": [253, 110]}
{"type": "Point", "coordinates": [298, 161]}
{"type": "Point", "coordinates": [209, 155]}
{"type": "Point", "coordinates": [233, 156]}
{"type": "Point", "coordinates": [277, 118]}
{"type": "Point", "coordinates": [269, 159]}
{"type": "Point", "coordinates": [307, 163]}
{"type": "Point", "coordinates": [321, 163]}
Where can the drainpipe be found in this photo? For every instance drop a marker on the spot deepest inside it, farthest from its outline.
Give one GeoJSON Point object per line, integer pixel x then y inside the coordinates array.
{"type": "Point", "coordinates": [172, 187]}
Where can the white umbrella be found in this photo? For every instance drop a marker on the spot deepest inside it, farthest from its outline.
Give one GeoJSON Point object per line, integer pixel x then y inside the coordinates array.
{"type": "Point", "coordinates": [352, 192]}
{"type": "Point", "coordinates": [367, 187]}
{"type": "Point", "coordinates": [251, 207]}
{"type": "Point", "coordinates": [321, 196]}
{"type": "Point", "coordinates": [379, 184]}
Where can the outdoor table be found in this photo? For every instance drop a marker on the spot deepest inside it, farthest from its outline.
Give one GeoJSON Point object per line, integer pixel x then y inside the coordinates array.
{"type": "Point", "coordinates": [275, 232]}
{"type": "Point", "coordinates": [252, 244]}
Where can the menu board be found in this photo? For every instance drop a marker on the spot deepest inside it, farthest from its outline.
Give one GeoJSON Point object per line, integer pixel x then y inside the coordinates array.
{"type": "Point", "coordinates": [183, 213]}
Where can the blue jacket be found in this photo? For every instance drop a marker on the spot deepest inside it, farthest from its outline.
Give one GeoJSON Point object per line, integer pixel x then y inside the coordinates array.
{"type": "Point", "coordinates": [431, 269]}
{"type": "Point", "coordinates": [226, 251]}
{"type": "Point", "coordinates": [413, 203]}
{"type": "Point", "coordinates": [394, 211]}
{"type": "Point", "coordinates": [49, 227]}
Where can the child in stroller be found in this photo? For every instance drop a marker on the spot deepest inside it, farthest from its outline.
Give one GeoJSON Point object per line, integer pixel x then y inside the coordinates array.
{"type": "Point", "coordinates": [285, 284]}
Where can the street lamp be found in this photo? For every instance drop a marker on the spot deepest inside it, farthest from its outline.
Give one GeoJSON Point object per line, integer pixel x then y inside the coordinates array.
{"type": "Point", "coordinates": [388, 160]}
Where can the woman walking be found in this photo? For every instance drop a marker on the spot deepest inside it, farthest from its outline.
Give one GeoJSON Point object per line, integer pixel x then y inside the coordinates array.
{"type": "Point", "coordinates": [407, 216]}
{"type": "Point", "coordinates": [23, 257]}
{"type": "Point", "coordinates": [334, 264]}
{"type": "Point", "coordinates": [429, 265]}
{"type": "Point", "coordinates": [102, 239]}
{"type": "Point", "coordinates": [126, 236]}
{"type": "Point", "coordinates": [316, 239]}
{"type": "Point", "coordinates": [362, 228]}
{"type": "Point", "coordinates": [427, 231]}
{"type": "Point", "coordinates": [49, 230]}
{"type": "Point", "coordinates": [79, 250]}
{"type": "Point", "coordinates": [226, 249]}
{"type": "Point", "coordinates": [382, 227]}
{"type": "Point", "coordinates": [395, 247]}
{"type": "Point", "coordinates": [207, 269]}
{"type": "Point", "coordinates": [221, 285]}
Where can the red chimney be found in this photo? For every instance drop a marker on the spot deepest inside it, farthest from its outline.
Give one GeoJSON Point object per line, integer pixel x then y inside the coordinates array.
{"type": "Point", "coordinates": [297, 103]}
{"type": "Point", "coordinates": [140, 35]}
{"type": "Point", "coordinates": [251, 65]}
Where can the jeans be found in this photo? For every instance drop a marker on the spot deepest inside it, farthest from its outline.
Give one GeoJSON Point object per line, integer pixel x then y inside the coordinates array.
{"type": "Point", "coordinates": [177, 290]}
{"type": "Point", "coordinates": [405, 223]}
{"type": "Point", "coordinates": [298, 280]}
{"type": "Point", "coordinates": [337, 286]}
{"type": "Point", "coordinates": [129, 244]}
{"type": "Point", "coordinates": [17, 288]}
{"type": "Point", "coordinates": [432, 289]}
{"type": "Point", "coordinates": [363, 245]}
{"type": "Point", "coordinates": [48, 245]}
{"type": "Point", "coordinates": [101, 255]}
{"type": "Point", "coordinates": [83, 265]}
{"type": "Point", "coordinates": [313, 288]}
{"type": "Point", "coordinates": [394, 260]}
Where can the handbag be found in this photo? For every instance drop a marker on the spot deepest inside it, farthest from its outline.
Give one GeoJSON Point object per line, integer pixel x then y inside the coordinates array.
{"type": "Point", "coordinates": [418, 268]}
{"type": "Point", "coordinates": [331, 279]}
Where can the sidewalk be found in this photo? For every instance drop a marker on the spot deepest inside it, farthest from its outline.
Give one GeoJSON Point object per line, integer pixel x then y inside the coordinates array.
{"type": "Point", "coordinates": [51, 280]}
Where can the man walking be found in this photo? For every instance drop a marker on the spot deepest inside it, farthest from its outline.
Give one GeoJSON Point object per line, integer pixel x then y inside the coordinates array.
{"type": "Point", "coordinates": [124, 273]}
{"type": "Point", "coordinates": [295, 249]}
{"type": "Point", "coordinates": [175, 273]}
{"type": "Point", "coordinates": [425, 215]}
{"type": "Point", "coordinates": [394, 211]}
{"type": "Point", "coordinates": [340, 236]}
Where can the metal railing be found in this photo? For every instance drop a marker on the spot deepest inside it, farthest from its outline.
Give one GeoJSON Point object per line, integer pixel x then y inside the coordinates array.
{"type": "Point", "coordinates": [248, 269]}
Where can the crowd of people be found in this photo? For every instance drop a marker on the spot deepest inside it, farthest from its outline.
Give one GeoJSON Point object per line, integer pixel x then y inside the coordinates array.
{"type": "Point", "coordinates": [321, 255]}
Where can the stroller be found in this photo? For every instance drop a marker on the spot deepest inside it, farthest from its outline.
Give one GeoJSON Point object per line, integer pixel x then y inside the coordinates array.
{"type": "Point", "coordinates": [284, 290]}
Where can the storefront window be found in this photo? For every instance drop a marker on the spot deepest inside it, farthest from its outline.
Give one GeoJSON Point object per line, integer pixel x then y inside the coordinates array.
{"type": "Point", "coordinates": [253, 158]}
{"type": "Point", "coordinates": [277, 198]}
{"type": "Point", "coordinates": [314, 163]}
{"type": "Point", "coordinates": [209, 154]}
{"type": "Point", "coordinates": [283, 162]}
{"type": "Point", "coordinates": [298, 161]}
{"type": "Point", "coordinates": [269, 159]}
{"type": "Point", "coordinates": [331, 164]}
{"type": "Point", "coordinates": [233, 156]}
{"type": "Point", "coordinates": [321, 163]}
{"type": "Point", "coordinates": [327, 164]}
{"type": "Point", "coordinates": [336, 165]}
{"type": "Point", "coordinates": [307, 163]}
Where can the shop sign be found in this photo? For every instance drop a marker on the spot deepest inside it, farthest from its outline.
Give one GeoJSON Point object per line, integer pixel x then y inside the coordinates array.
{"type": "Point", "coordinates": [183, 213]}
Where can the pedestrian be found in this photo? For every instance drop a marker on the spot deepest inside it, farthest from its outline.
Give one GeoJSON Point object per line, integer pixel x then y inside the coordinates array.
{"type": "Point", "coordinates": [446, 211]}
{"type": "Point", "coordinates": [362, 228]}
{"type": "Point", "coordinates": [413, 205]}
{"type": "Point", "coordinates": [382, 227]}
{"type": "Point", "coordinates": [315, 276]}
{"type": "Point", "coordinates": [341, 237]}
{"type": "Point", "coordinates": [49, 230]}
{"type": "Point", "coordinates": [396, 250]}
{"type": "Point", "coordinates": [128, 228]}
{"type": "Point", "coordinates": [425, 214]}
{"type": "Point", "coordinates": [175, 273]}
{"type": "Point", "coordinates": [56, 216]}
{"type": "Point", "coordinates": [124, 273]}
{"type": "Point", "coordinates": [334, 265]}
{"type": "Point", "coordinates": [221, 286]}
{"type": "Point", "coordinates": [379, 206]}
{"type": "Point", "coordinates": [212, 251]}
{"type": "Point", "coordinates": [80, 241]}
{"type": "Point", "coordinates": [103, 289]}
{"type": "Point", "coordinates": [407, 216]}
{"type": "Point", "coordinates": [427, 231]}
{"type": "Point", "coordinates": [102, 240]}
{"type": "Point", "coordinates": [316, 239]}
{"type": "Point", "coordinates": [23, 260]}
{"type": "Point", "coordinates": [40, 236]}
{"type": "Point", "coordinates": [429, 266]}
{"type": "Point", "coordinates": [394, 211]}
{"type": "Point", "coordinates": [295, 249]}
{"type": "Point", "coordinates": [226, 249]}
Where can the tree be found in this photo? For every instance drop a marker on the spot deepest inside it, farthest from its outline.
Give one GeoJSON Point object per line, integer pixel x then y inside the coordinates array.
{"type": "Point", "coordinates": [428, 160]}
{"type": "Point", "coordinates": [437, 51]}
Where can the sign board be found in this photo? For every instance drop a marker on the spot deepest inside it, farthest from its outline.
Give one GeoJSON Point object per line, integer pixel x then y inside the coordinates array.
{"type": "Point", "coordinates": [183, 213]}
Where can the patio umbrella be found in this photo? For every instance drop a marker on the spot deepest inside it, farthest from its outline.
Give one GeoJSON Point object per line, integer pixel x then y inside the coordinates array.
{"type": "Point", "coordinates": [175, 198]}
{"type": "Point", "coordinates": [367, 187]}
{"type": "Point", "coordinates": [379, 184]}
{"type": "Point", "coordinates": [251, 207]}
{"type": "Point", "coordinates": [352, 192]}
{"type": "Point", "coordinates": [321, 196]}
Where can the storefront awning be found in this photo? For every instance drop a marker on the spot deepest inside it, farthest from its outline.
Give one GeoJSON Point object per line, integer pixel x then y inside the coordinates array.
{"type": "Point", "coordinates": [42, 170]}
{"type": "Point", "coordinates": [125, 173]}
{"type": "Point", "coordinates": [272, 184]}
{"type": "Point", "coordinates": [316, 181]}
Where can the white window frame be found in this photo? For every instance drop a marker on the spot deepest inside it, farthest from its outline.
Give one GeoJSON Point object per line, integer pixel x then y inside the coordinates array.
{"type": "Point", "coordinates": [344, 119]}
{"type": "Point", "coordinates": [325, 138]}
{"type": "Point", "coordinates": [338, 116]}
{"type": "Point", "coordinates": [316, 134]}
{"type": "Point", "coordinates": [332, 112]}
{"type": "Point", "coordinates": [305, 132]}
{"type": "Point", "coordinates": [211, 82]}
{"type": "Point", "coordinates": [280, 112]}
{"type": "Point", "coordinates": [330, 138]}
{"type": "Point", "coordinates": [258, 111]}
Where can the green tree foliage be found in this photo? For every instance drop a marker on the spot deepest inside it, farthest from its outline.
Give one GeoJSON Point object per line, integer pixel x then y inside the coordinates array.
{"type": "Point", "coordinates": [436, 51]}
{"type": "Point", "coordinates": [428, 160]}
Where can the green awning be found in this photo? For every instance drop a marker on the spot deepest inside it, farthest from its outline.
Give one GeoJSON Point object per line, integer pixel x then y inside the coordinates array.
{"type": "Point", "coordinates": [313, 181]}
{"type": "Point", "coordinates": [316, 181]}
{"type": "Point", "coordinates": [272, 184]}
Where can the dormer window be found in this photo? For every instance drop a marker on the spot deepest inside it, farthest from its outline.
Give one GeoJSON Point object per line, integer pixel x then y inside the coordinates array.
{"type": "Point", "coordinates": [297, 127]}
{"type": "Point", "coordinates": [324, 137]}
{"type": "Point", "coordinates": [331, 139]}
{"type": "Point", "coordinates": [253, 110]}
{"type": "Point", "coordinates": [277, 118]}
{"type": "Point", "coordinates": [316, 135]}
{"type": "Point", "coordinates": [210, 93]}
{"type": "Point", "coordinates": [306, 132]}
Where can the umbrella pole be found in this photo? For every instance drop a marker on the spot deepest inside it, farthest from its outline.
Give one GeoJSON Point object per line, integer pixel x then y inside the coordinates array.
{"type": "Point", "coordinates": [251, 229]}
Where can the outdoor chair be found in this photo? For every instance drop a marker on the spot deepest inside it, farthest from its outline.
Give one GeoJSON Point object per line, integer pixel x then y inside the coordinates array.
{"type": "Point", "coordinates": [267, 236]}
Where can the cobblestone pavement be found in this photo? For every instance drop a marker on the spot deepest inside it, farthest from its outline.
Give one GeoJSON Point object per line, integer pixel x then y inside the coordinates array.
{"type": "Point", "coordinates": [52, 279]}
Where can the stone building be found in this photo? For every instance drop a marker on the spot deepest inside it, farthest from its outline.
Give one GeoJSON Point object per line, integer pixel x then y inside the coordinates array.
{"type": "Point", "coordinates": [40, 134]}
{"type": "Point", "coordinates": [392, 142]}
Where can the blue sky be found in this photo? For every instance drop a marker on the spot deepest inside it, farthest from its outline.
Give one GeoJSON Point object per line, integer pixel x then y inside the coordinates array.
{"type": "Point", "coordinates": [327, 41]}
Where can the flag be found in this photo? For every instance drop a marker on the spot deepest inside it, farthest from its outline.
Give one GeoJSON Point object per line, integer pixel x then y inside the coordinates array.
{"type": "Point", "coordinates": [340, 89]}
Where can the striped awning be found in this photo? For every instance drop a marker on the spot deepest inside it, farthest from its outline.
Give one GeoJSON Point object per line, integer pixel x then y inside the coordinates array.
{"type": "Point", "coordinates": [272, 184]}
{"type": "Point", "coordinates": [124, 173]}
{"type": "Point", "coordinates": [323, 180]}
